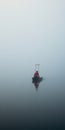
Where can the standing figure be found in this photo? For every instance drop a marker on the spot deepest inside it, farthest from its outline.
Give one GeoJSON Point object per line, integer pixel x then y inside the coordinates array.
{"type": "Point", "coordinates": [36, 74]}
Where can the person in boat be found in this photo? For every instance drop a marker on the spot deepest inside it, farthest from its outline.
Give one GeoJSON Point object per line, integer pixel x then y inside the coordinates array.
{"type": "Point", "coordinates": [36, 74]}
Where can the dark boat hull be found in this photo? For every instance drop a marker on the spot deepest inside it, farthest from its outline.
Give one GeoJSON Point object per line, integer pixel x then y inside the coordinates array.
{"type": "Point", "coordinates": [37, 79]}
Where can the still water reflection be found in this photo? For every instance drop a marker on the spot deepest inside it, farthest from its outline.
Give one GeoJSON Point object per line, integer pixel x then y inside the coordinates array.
{"type": "Point", "coordinates": [22, 107]}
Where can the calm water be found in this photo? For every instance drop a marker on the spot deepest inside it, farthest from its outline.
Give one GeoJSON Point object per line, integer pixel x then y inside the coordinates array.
{"type": "Point", "coordinates": [32, 32]}
{"type": "Point", "coordinates": [22, 106]}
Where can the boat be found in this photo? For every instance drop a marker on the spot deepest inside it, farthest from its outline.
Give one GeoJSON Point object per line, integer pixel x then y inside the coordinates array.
{"type": "Point", "coordinates": [36, 78]}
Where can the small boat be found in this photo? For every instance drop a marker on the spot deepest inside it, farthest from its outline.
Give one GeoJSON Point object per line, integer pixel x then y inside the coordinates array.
{"type": "Point", "coordinates": [36, 78]}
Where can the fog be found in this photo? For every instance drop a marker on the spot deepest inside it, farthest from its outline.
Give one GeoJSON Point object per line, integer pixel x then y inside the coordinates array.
{"type": "Point", "coordinates": [32, 32]}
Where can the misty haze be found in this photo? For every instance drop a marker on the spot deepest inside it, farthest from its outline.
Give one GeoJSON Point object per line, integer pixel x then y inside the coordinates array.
{"type": "Point", "coordinates": [32, 32]}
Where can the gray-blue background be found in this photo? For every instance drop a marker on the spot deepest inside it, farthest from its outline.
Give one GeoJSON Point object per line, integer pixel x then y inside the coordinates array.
{"type": "Point", "coordinates": [32, 31]}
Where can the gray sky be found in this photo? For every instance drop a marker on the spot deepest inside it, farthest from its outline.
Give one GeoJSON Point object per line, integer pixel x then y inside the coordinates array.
{"type": "Point", "coordinates": [32, 31]}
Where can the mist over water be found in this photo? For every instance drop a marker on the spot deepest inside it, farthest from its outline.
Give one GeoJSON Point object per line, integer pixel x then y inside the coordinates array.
{"type": "Point", "coordinates": [32, 32]}
{"type": "Point", "coordinates": [22, 106]}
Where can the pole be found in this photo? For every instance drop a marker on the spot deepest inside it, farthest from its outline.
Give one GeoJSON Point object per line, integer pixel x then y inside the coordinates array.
{"type": "Point", "coordinates": [37, 67]}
